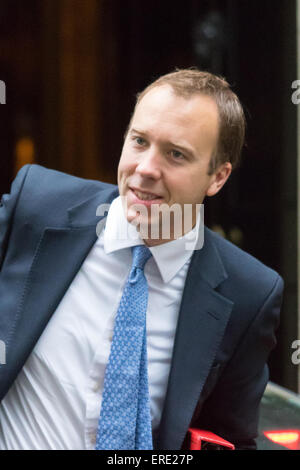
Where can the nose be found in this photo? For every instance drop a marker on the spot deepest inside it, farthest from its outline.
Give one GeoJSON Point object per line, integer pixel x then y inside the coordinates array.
{"type": "Point", "coordinates": [149, 165]}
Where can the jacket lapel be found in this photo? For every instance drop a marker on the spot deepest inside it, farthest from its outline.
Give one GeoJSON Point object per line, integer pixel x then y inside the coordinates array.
{"type": "Point", "coordinates": [57, 259]}
{"type": "Point", "coordinates": [202, 320]}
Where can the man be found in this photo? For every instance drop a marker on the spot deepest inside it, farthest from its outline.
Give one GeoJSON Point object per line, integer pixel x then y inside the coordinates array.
{"type": "Point", "coordinates": [211, 313]}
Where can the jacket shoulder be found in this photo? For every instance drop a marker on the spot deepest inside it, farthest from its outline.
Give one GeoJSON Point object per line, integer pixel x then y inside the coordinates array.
{"type": "Point", "coordinates": [44, 180]}
{"type": "Point", "coordinates": [244, 267]}
{"type": "Point", "coordinates": [47, 194]}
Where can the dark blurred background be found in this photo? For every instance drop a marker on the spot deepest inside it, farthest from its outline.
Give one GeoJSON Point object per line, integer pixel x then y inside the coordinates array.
{"type": "Point", "coordinates": [72, 69]}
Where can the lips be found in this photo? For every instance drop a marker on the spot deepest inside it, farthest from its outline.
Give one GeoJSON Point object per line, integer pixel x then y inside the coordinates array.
{"type": "Point", "coordinates": [143, 197]}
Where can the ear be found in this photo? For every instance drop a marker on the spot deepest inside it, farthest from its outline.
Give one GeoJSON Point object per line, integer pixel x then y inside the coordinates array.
{"type": "Point", "coordinates": [219, 178]}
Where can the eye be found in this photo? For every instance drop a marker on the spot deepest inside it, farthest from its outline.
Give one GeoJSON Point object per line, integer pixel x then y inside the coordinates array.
{"type": "Point", "coordinates": [139, 141]}
{"type": "Point", "coordinates": [177, 155]}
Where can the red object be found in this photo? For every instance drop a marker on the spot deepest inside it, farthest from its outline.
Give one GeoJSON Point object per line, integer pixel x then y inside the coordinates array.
{"type": "Point", "coordinates": [289, 438]}
{"type": "Point", "coordinates": [206, 440]}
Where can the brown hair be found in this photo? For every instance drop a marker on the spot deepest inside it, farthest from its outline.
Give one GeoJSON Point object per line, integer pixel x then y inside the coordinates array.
{"type": "Point", "coordinates": [188, 82]}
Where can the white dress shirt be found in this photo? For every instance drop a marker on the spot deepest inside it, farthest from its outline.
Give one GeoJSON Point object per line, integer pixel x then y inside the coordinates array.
{"type": "Point", "coordinates": [55, 401]}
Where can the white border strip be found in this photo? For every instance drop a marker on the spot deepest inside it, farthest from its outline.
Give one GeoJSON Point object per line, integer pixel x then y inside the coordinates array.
{"type": "Point", "coordinates": [298, 175]}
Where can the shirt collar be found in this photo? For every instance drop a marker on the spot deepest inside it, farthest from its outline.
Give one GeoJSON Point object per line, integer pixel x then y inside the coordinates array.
{"type": "Point", "coordinates": [170, 257]}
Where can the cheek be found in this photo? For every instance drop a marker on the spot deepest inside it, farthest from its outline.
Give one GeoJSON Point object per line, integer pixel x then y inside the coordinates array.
{"type": "Point", "coordinates": [178, 184]}
{"type": "Point", "coordinates": [188, 189]}
{"type": "Point", "coordinates": [126, 164]}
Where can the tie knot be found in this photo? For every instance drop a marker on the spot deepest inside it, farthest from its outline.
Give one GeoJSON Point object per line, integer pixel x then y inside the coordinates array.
{"type": "Point", "coordinates": [140, 255]}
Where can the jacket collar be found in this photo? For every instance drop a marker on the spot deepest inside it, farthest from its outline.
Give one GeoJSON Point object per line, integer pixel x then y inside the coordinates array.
{"type": "Point", "coordinates": [207, 263]}
{"type": "Point", "coordinates": [93, 209]}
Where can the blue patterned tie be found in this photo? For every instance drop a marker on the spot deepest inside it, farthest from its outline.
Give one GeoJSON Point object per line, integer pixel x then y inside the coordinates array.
{"type": "Point", "coordinates": [125, 421]}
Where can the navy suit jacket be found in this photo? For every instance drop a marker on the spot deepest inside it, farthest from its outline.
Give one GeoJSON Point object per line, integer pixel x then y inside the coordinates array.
{"type": "Point", "coordinates": [228, 315]}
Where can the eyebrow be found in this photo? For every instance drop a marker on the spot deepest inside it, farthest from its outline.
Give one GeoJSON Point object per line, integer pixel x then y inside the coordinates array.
{"type": "Point", "coordinates": [182, 148]}
{"type": "Point", "coordinates": [136, 131]}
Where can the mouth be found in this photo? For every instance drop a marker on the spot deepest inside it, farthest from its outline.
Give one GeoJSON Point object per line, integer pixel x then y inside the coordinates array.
{"type": "Point", "coordinates": [144, 197]}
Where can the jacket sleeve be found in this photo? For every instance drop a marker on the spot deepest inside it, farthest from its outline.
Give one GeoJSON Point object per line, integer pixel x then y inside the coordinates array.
{"type": "Point", "coordinates": [232, 409]}
{"type": "Point", "coordinates": [7, 209]}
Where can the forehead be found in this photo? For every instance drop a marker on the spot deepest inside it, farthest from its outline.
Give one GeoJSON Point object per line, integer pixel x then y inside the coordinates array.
{"type": "Point", "coordinates": [161, 110]}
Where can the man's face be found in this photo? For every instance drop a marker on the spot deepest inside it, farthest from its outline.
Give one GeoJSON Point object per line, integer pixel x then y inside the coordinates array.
{"type": "Point", "coordinates": [167, 151]}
